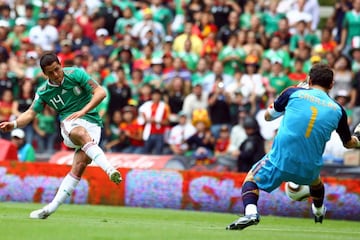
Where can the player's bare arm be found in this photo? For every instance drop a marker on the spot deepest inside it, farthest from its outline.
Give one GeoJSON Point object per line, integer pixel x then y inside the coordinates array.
{"type": "Point", "coordinates": [98, 95]}
{"type": "Point", "coordinates": [24, 119]}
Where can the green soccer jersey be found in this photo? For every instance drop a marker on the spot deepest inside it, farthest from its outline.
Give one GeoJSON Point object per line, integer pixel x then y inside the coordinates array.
{"type": "Point", "coordinates": [351, 23]}
{"type": "Point", "coordinates": [71, 96]}
{"type": "Point", "coordinates": [280, 82]}
{"type": "Point", "coordinates": [231, 66]}
{"type": "Point", "coordinates": [191, 59]}
{"type": "Point", "coordinates": [278, 54]}
{"type": "Point", "coordinates": [271, 22]}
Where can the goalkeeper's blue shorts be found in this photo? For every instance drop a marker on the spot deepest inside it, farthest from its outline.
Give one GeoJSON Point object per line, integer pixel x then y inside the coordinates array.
{"type": "Point", "coordinates": [268, 177]}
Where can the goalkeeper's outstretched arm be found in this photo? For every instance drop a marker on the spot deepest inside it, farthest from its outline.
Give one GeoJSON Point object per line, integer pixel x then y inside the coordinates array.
{"type": "Point", "coordinates": [271, 113]}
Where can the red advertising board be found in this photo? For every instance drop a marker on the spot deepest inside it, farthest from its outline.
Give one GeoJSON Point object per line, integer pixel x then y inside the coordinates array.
{"type": "Point", "coordinates": [119, 160]}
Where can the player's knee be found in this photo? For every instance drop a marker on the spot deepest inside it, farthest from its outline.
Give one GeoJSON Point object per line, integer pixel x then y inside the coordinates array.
{"type": "Point", "coordinates": [80, 136]}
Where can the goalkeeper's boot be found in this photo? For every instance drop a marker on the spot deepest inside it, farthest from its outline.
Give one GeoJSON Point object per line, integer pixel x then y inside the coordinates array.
{"type": "Point", "coordinates": [115, 176]}
{"type": "Point", "coordinates": [244, 222]}
{"type": "Point", "coordinates": [319, 213]}
{"type": "Point", "coordinates": [40, 214]}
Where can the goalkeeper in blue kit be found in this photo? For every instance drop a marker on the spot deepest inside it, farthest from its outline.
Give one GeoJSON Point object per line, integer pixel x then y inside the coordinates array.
{"type": "Point", "coordinates": [309, 118]}
{"type": "Point", "coordinates": [74, 96]}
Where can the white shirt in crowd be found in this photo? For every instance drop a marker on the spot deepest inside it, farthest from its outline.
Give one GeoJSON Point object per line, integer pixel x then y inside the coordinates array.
{"type": "Point", "coordinates": [44, 37]}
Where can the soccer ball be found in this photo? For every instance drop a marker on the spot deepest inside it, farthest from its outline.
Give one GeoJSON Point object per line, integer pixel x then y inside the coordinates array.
{"type": "Point", "coordinates": [297, 192]}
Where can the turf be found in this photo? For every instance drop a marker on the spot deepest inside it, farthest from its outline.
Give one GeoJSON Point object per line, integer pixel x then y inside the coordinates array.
{"type": "Point", "coordinates": [110, 222]}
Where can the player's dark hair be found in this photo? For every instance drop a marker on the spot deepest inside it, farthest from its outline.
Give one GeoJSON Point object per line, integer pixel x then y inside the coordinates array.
{"type": "Point", "coordinates": [321, 74]}
{"type": "Point", "coordinates": [48, 59]}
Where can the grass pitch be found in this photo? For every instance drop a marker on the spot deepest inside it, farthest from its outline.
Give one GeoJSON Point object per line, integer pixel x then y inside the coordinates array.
{"type": "Point", "coordinates": [110, 222]}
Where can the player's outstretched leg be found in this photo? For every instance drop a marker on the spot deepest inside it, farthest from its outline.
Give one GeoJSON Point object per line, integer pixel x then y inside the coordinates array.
{"type": "Point", "coordinates": [65, 190]}
{"type": "Point", "coordinates": [250, 196]}
{"type": "Point", "coordinates": [95, 153]}
{"type": "Point", "coordinates": [317, 192]}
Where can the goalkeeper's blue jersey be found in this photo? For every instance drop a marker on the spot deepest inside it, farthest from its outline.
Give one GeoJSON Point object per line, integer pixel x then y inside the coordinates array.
{"type": "Point", "coordinates": [310, 116]}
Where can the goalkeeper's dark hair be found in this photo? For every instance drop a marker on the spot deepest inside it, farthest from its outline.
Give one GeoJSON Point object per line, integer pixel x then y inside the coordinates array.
{"type": "Point", "coordinates": [321, 74]}
{"type": "Point", "coordinates": [48, 59]}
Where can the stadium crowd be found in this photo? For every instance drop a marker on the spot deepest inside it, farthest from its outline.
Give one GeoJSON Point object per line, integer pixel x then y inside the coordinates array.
{"type": "Point", "coordinates": [184, 77]}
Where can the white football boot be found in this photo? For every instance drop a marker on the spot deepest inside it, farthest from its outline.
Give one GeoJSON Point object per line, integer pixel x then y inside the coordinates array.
{"type": "Point", "coordinates": [319, 213]}
{"type": "Point", "coordinates": [40, 214]}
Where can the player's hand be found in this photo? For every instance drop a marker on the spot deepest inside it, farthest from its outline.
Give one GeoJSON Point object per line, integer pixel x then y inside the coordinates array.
{"type": "Point", "coordinates": [357, 131]}
{"type": "Point", "coordinates": [6, 126]}
{"type": "Point", "coordinates": [75, 115]}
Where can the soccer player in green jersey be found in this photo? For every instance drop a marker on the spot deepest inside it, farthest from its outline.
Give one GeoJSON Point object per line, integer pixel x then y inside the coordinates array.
{"type": "Point", "coordinates": [74, 96]}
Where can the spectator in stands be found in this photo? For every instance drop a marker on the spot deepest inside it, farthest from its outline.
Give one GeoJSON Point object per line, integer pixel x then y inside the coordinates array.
{"type": "Point", "coordinates": [219, 103]}
{"type": "Point", "coordinates": [278, 79]}
{"type": "Point", "coordinates": [119, 92]}
{"type": "Point", "coordinates": [176, 91]}
{"type": "Point", "coordinates": [349, 27]}
{"type": "Point", "coordinates": [154, 75]}
{"type": "Point", "coordinates": [328, 43]}
{"type": "Point", "coordinates": [253, 85]}
{"type": "Point", "coordinates": [253, 148]}
{"type": "Point", "coordinates": [202, 141]}
{"type": "Point", "coordinates": [22, 103]}
{"type": "Point", "coordinates": [252, 46]}
{"type": "Point", "coordinates": [30, 68]}
{"type": "Point", "coordinates": [297, 14]}
{"type": "Point", "coordinates": [162, 14]}
{"type": "Point", "coordinates": [202, 70]}
{"type": "Point", "coordinates": [271, 19]}
{"type": "Point", "coordinates": [232, 56]}
{"type": "Point", "coordinates": [222, 142]}
{"type": "Point", "coordinates": [101, 47]}
{"type": "Point", "coordinates": [196, 43]}
{"type": "Point", "coordinates": [132, 130]}
{"type": "Point", "coordinates": [302, 36]}
{"type": "Point", "coordinates": [114, 137]}
{"type": "Point", "coordinates": [276, 52]}
{"type": "Point", "coordinates": [237, 134]}
{"type": "Point", "coordinates": [340, 9]}
{"type": "Point", "coordinates": [19, 32]}
{"type": "Point", "coordinates": [43, 34]}
{"type": "Point", "coordinates": [248, 13]}
{"type": "Point", "coordinates": [179, 134]}
{"type": "Point", "coordinates": [197, 99]}
{"type": "Point", "coordinates": [78, 38]}
{"type": "Point", "coordinates": [189, 58]}
{"type": "Point", "coordinates": [111, 13]}
{"type": "Point", "coordinates": [342, 76]}
{"type": "Point", "coordinates": [66, 53]}
{"type": "Point", "coordinates": [6, 103]}
{"type": "Point", "coordinates": [125, 22]}
{"type": "Point", "coordinates": [147, 23]}
{"type": "Point", "coordinates": [26, 152]}
{"type": "Point", "coordinates": [228, 30]}
{"type": "Point", "coordinates": [135, 84]}
{"type": "Point", "coordinates": [144, 93]}
{"type": "Point", "coordinates": [29, 15]}
{"type": "Point", "coordinates": [298, 75]}
{"type": "Point", "coordinates": [217, 72]}
{"type": "Point", "coordinates": [179, 70]}
{"type": "Point", "coordinates": [283, 33]}
{"type": "Point", "coordinates": [45, 126]}
{"type": "Point", "coordinates": [154, 114]}
{"type": "Point", "coordinates": [355, 98]}
{"type": "Point", "coordinates": [355, 54]}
